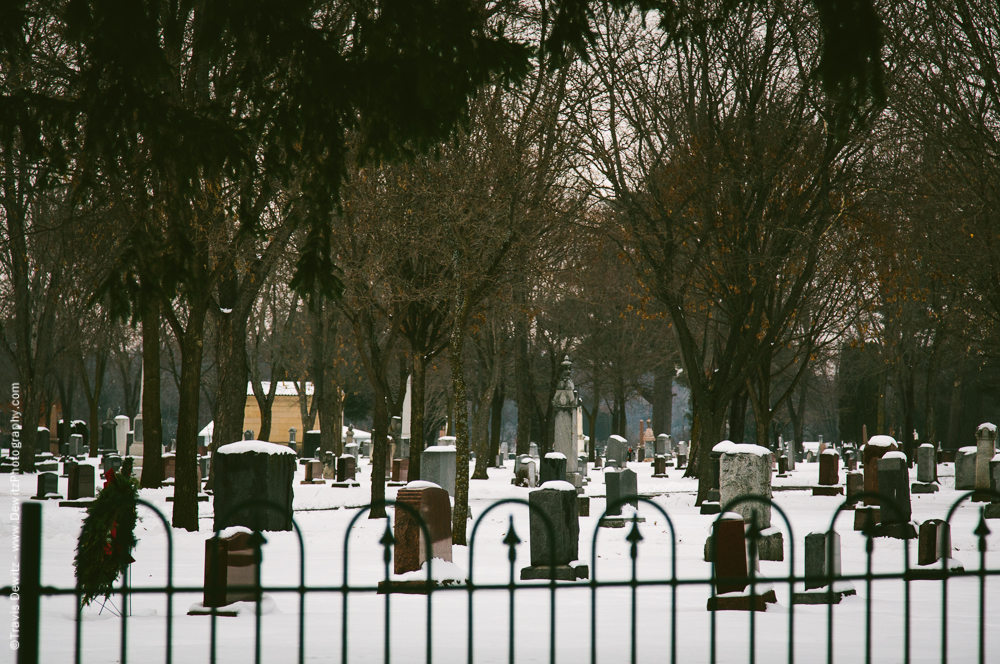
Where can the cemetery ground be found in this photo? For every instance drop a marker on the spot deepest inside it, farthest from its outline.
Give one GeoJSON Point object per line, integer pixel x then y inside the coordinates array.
{"type": "Point", "coordinates": [323, 514]}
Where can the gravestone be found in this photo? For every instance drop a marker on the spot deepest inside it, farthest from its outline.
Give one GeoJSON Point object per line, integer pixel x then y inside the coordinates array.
{"type": "Point", "coordinates": [67, 463]}
{"type": "Point", "coordinates": [829, 474]}
{"type": "Point", "coordinates": [169, 466]}
{"type": "Point", "coordinates": [965, 468]}
{"type": "Point", "coordinates": [662, 445]}
{"type": "Point", "coordinates": [354, 450]}
{"type": "Point", "coordinates": [894, 489]}
{"type": "Point", "coordinates": [727, 549]}
{"type": "Point", "coordinates": [986, 436]}
{"type": "Point", "coordinates": [926, 470]}
{"type": "Point", "coordinates": [253, 469]}
{"type": "Point", "coordinates": [581, 465]}
{"type": "Point", "coordinates": [533, 450]}
{"type": "Point", "coordinates": [44, 441]}
{"type": "Point", "coordinates": [660, 466]}
{"type": "Point", "coordinates": [137, 429]}
{"type": "Point", "coordinates": [437, 465]}
{"type": "Point", "coordinates": [111, 461]}
{"type": "Point", "coordinates": [992, 510]}
{"type": "Point", "coordinates": [80, 428]}
{"type": "Point", "coordinates": [313, 472]}
{"type": "Point", "coordinates": [230, 568]}
{"type": "Point", "coordinates": [745, 470]}
{"type": "Point", "coordinates": [648, 442]}
{"type": "Point", "coordinates": [346, 468]}
{"type": "Point", "coordinates": [329, 466]}
{"type": "Point", "coordinates": [310, 443]}
{"type": "Point", "coordinates": [822, 570]}
{"type": "Point", "coordinates": [934, 542]}
{"type": "Point", "coordinates": [433, 505]}
{"type": "Point", "coordinates": [618, 485]}
{"type": "Point", "coordinates": [783, 466]}
{"type": "Point", "coordinates": [81, 482]}
{"type": "Point", "coordinates": [400, 470]}
{"type": "Point", "coordinates": [616, 450]}
{"type": "Point", "coordinates": [76, 447]}
{"type": "Point", "coordinates": [121, 434]}
{"type": "Point", "coordinates": [553, 467]}
{"type": "Point", "coordinates": [873, 451]}
{"type": "Point", "coordinates": [560, 547]}
{"type": "Point", "coordinates": [682, 454]}
{"type": "Point", "coordinates": [855, 482]}
{"type": "Point", "coordinates": [48, 486]}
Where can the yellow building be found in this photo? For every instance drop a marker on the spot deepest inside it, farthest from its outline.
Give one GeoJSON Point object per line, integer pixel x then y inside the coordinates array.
{"type": "Point", "coordinates": [285, 412]}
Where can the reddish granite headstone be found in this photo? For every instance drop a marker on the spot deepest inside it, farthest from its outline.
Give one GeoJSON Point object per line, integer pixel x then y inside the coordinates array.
{"type": "Point", "coordinates": [829, 468]}
{"type": "Point", "coordinates": [434, 506]}
{"type": "Point", "coordinates": [232, 566]}
{"type": "Point", "coordinates": [660, 465]}
{"type": "Point", "coordinates": [730, 553]}
{"type": "Point", "coordinates": [169, 466]}
{"type": "Point", "coordinates": [877, 446]}
{"type": "Point", "coordinates": [400, 469]}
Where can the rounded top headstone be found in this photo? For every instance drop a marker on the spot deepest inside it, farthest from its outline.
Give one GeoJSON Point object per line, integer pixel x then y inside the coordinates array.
{"type": "Point", "coordinates": [422, 484]}
{"type": "Point", "coordinates": [557, 485]}
{"type": "Point", "coordinates": [895, 455]}
{"type": "Point", "coordinates": [881, 441]}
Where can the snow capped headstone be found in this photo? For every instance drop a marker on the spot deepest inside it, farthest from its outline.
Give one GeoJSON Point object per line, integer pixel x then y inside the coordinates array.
{"type": "Point", "coordinates": [121, 434]}
{"type": "Point", "coordinates": [310, 443]}
{"type": "Point", "coordinates": [346, 468]}
{"type": "Point", "coordinates": [558, 502]}
{"type": "Point", "coordinates": [829, 474]}
{"type": "Point", "coordinates": [660, 466]}
{"type": "Point", "coordinates": [229, 564]}
{"type": "Point", "coordinates": [662, 444]}
{"type": "Point", "coordinates": [553, 467]}
{"type": "Point", "coordinates": [437, 464]}
{"type": "Point", "coordinates": [873, 451]}
{"type": "Point", "coordinates": [986, 436]}
{"type": "Point", "coordinates": [965, 468]}
{"type": "Point", "coordinates": [616, 450]}
{"type": "Point", "coordinates": [727, 548]}
{"type": "Point", "coordinates": [894, 489]}
{"type": "Point", "coordinates": [76, 445]}
{"type": "Point", "coordinates": [253, 469]}
{"type": "Point", "coordinates": [934, 542]}
{"type": "Point", "coordinates": [433, 505]}
{"type": "Point", "coordinates": [926, 470]}
{"type": "Point", "coordinates": [745, 470]}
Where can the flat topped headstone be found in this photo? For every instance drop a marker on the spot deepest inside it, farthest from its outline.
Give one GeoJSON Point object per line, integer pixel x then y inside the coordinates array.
{"type": "Point", "coordinates": [248, 470]}
{"type": "Point", "coordinates": [745, 470]}
{"type": "Point", "coordinates": [81, 482]}
{"type": "Point", "coordinates": [553, 467]}
{"type": "Point", "coordinates": [926, 463]}
{"type": "Point", "coordinates": [965, 468]}
{"type": "Point", "coordinates": [557, 547]}
{"type": "Point", "coordinates": [986, 436]}
{"type": "Point", "coordinates": [230, 568]}
{"type": "Point", "coordinates": [438, 465]}
{"type": "Point", "coordinates": [894, 489]}
{"type": "Point", "coordinates": [873, 451]}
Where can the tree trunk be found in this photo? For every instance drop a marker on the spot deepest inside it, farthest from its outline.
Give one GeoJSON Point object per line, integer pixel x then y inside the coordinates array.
{"type": "Point", "coordinates": [663, 388]}
{"type": "Point", "coordinates": [737, 416]}
{"type": "Point", "coordinates": [418, 385]}
{"type": "Point", "coordinates": [592, 422]}
{"type": "Point", "coordinates": [231, 354]}
{"type": "Point", "coordinates": [496, 419]}
{"type": "Point", "coordinates": [522, 383]}
{"type": "Point", "coordinates": [380, 433]}
{"type": "Point", "coordinates": [328, 386]}
{"type": "Point", "coordinates": [94, 398]}
{"type": "Point", "coordinates": [186, 487]}
{"type": "Point", "coordinates": [461, 514]}
{"type": "Point", "coordinates": [709, 435]}
{"type": "Point", "coordinates": [152, 427]}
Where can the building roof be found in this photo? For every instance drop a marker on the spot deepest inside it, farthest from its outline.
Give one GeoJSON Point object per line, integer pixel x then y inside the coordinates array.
{"type": "Point", "coordinates": [286, 388]}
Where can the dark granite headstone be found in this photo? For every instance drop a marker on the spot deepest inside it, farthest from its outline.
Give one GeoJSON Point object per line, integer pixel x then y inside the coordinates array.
{"type": "Point", "coordinates": [434, 506]}
{"type": "Point", "coordinates": [253, 470]}
{"type": "Point", "coordinates": [310, 443]}
{"type": "Point", "coordinates": [560, 546]}
{"type": "Point", "coordinates": [345, 468]}
{"type": "Point", "coordinates": [934, 542]}
{"type": "Point", "coordinates": [81, 482]}
{"type": "Point", "coordinates": [894, 487]}
{"type": "Point", "coordinates": [47, 483]}
{"type": "Point", "coordinates": [873, 451]}
{"type": "Point", "coordinates": [819, 564]}
{"type": "Point", "coordinates": [553, 467]}
{"type": "Point", "coordinates": [782, 465]}
{"type": "Point", "coordinates": [169, 465]}
{"type": "Point", "coordinates": [660, 466]}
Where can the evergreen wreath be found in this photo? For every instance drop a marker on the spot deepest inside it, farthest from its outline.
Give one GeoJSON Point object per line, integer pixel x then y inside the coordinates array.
{"type": "Point", "coordinates": [103, 552]}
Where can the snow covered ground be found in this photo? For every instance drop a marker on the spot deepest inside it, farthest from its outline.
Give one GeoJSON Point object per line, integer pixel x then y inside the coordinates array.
{"type": "Point", "coordinates": [323, 514]}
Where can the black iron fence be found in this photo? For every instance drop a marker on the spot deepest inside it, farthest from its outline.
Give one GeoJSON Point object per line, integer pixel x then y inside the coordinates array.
{"type": "Point", "coordinates": [661, 590]}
